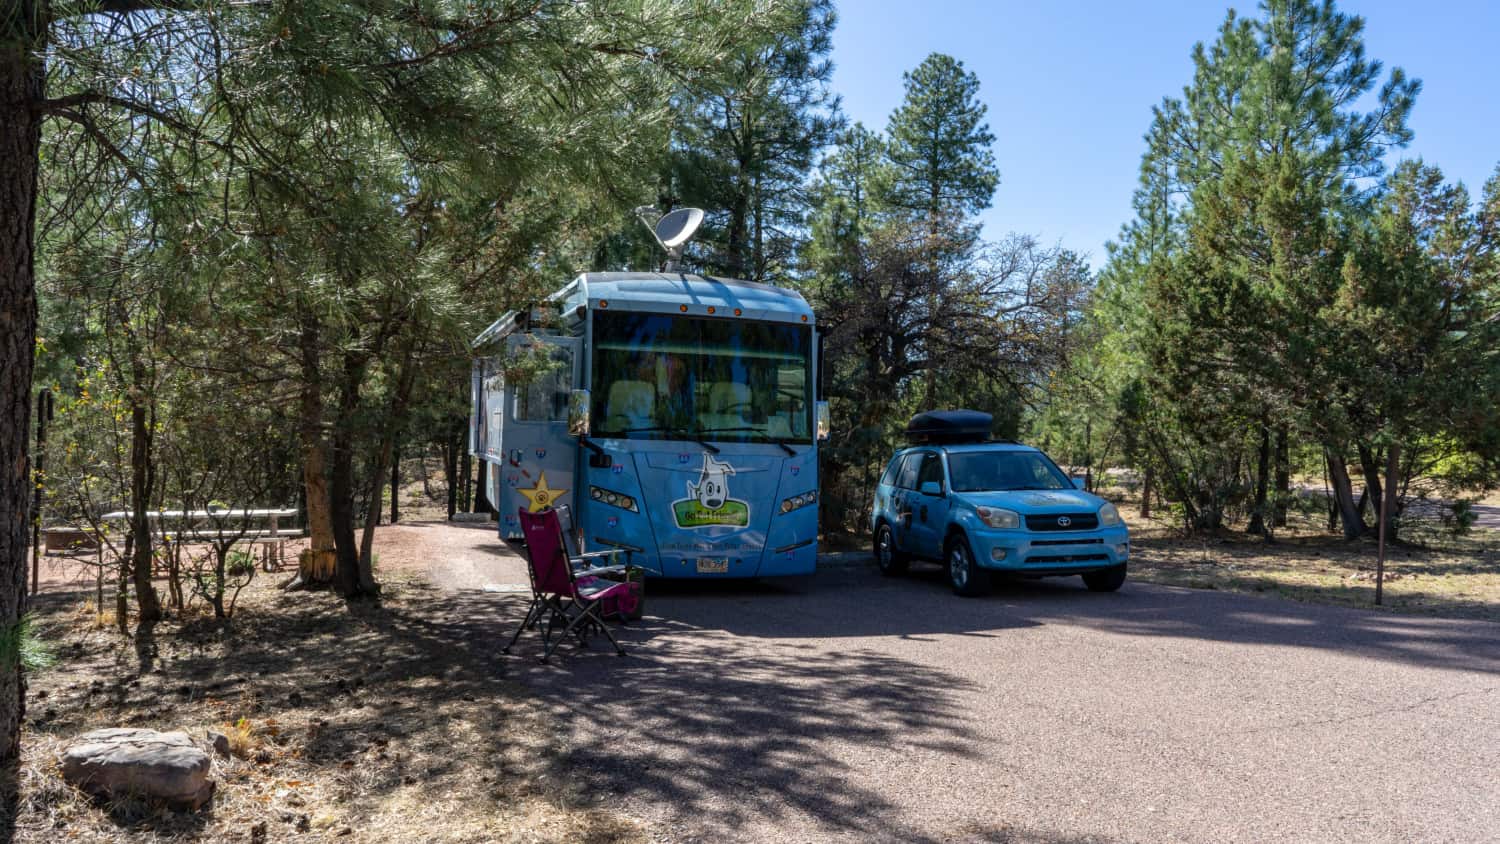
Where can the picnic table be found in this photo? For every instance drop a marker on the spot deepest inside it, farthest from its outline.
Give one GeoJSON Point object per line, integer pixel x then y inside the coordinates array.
{"type": "Point", "coordinates": [228, 523]}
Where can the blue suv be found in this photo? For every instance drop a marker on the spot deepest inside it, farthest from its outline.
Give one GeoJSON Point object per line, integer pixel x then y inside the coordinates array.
{"type": "Point", "coordinates": [980, 506]}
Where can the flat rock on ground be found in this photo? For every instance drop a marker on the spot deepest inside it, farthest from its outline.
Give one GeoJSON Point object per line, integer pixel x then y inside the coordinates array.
{"type": "Point", "coordinates": [161, 766]}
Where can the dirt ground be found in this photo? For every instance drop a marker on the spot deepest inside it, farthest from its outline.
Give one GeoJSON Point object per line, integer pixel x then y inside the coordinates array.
{"type": "Point", "coordinates": [350, 723]}
{"type": "Point", "coordinates": [1431, 571]}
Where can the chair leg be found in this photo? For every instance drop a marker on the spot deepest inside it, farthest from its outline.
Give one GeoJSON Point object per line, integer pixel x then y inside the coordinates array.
{"type": "Point", "coordinates": [529, 621]}
{"type": "Point", "coordinates": [598, 620]}
{"type": "Point", "coordinates": [587, 617]}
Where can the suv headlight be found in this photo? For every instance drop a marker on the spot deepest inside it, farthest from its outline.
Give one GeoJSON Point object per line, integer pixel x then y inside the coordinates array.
{"type": "Point", "coordinates": [998, 518]}
{"type": "Point", "coordinates": [1108, 515]}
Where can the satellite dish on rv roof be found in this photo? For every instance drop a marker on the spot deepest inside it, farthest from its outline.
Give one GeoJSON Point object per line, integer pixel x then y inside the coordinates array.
{"type": "Point", "coordinates": [678, 227]}
{"type": "Point", "coordinates": [673, 230]}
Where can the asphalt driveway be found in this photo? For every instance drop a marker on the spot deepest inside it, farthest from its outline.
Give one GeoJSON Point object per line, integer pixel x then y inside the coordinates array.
{"type": "Point", "coordinates": [856, 708]}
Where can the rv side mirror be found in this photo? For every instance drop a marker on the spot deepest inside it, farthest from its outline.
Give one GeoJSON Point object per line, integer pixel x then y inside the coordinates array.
{"type": "Point", "coordinates": [578, 413]}
{"type": "Point", "coordinates": [824, 422]}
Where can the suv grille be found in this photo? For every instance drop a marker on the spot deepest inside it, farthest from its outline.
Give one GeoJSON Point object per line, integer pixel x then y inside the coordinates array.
{"type": "Point", "coordinates": [1066, 558]}
{"type": "Point", "coordinates": [1063, 521]}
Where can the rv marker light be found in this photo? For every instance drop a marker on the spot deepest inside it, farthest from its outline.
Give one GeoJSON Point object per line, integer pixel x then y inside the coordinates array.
{"type": "Point", "coordinates": [738, 312]}
{"type": "Point", "coordinates": [710, 308]}
{"type": "Point", "coordinates": [682, 308]}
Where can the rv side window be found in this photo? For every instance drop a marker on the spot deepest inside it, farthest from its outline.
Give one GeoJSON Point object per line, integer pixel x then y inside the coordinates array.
{"type": "Point", "coordinates": [544, 398]}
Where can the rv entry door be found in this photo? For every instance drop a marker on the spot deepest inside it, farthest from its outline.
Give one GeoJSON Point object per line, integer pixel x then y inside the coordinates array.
{"type": "Point", "coordinates": [539, 458]}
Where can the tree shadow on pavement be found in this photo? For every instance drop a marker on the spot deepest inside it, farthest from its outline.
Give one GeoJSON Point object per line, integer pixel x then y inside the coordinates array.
{"type": "Point", "coordinates": [857, 602]}
{"type": "Point", "coordinates": [715, 732]}
{"type": "Point", "coordinates": [1180, 612]}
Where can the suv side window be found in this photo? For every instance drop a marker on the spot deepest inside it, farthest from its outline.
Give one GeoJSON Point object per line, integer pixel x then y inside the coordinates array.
{"type": "Point", "coordinates": [931, 471]}
{"type": "Point", "coordinates": [891, 471]}
{"type": "Point", "coordinates": [908, 477]}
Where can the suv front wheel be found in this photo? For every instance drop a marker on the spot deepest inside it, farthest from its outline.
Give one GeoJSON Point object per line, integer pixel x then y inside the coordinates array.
{"type": "Point", "coordinates": [964, 575]}
{"type": "Point", "coordinates": [888, 557]}
{"type": "Point", "coordinates": [1108, 580]}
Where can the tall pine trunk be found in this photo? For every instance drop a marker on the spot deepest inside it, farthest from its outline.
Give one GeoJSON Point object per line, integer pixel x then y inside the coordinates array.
{"type": "Point", "coordinates": [22, 86]}
{"type": "Point", "coordinates": [1369, 463]}
{"type": "Point", "coordinates": [1392, 492]}
{"type": "Point", "coordinates": [351, 577]}
{"type": "Point", "coordinates": [142, 481]}
{"type": "Point", "coordinates": [1343, 493]}
{"type": "Point", "coordinates": [318, 562]}
{"type": "Point", "coordinates": [452, 444]}
{"type": "Point", "coordinates": [386, 454]}
{"type": "Point", "coordinates": [1283, 478]}
{"type": "Point", "coordinates": [395, 483]}
{"type": "Point", "coordinates": [1262, 483]}
{"type": "Point", "coordinates": [1146, 489]}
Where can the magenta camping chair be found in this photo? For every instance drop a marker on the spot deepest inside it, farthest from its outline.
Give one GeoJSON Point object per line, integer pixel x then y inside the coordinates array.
{"type": "Point", "coordinates": [560, 594]}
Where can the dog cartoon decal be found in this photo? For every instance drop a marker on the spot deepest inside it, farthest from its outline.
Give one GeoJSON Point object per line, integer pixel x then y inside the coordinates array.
{"type": "Point", "coordinates": [713, 484]}
{"type": "Point", "coordinates": [708, 502]}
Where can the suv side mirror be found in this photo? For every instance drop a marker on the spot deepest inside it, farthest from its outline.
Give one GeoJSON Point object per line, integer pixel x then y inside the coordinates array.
{"type": "Point", "coordinates": [578, 413]}
{"type": "Point", "coordinates": [932, 488]}
{"type": "Point", "coordinates": [1080, 483]}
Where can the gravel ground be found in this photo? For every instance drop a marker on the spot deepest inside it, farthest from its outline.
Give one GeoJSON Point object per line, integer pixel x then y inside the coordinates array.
{"type": "Point", "coordinates": [847, 707]}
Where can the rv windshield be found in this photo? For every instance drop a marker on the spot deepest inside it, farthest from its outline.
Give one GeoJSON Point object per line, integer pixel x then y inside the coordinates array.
{"type": "Point", "coordinates": [664, 377]}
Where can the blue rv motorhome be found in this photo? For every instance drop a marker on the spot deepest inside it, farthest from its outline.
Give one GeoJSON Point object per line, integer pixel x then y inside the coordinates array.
{"type": "Point", "coordinates": [677, 414]}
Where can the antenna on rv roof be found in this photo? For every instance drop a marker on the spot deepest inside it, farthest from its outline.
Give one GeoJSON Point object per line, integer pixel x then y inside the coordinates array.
{"type": "Point", "coordinates": [672, 230]}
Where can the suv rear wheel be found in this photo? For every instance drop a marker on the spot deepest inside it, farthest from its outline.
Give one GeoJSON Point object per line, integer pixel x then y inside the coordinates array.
{"type": "Point", "coordinates": [966, 577]}
{"type": "Point", "coordinates": [889, 558]}
{"type": "Point", "coordinates": [1108, 580]}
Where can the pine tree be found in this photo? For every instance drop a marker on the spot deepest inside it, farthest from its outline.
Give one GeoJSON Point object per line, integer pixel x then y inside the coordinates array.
{"type": "Point", "coordinates": [752, 132]}
{"type": "Point", "coordinates": [939, 144]}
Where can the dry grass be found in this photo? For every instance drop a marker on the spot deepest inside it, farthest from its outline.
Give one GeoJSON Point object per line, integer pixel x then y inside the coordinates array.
{"type": "Point", "coordinates": [1430, 572]}
{"type": "Point", "coordinates": [349, 725]}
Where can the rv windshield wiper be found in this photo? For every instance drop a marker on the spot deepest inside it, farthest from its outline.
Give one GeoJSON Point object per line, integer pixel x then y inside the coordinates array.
{"type": "Point", "coordinates": [764, 437]}
{"type": "Point", "coordinates": [676, 432]}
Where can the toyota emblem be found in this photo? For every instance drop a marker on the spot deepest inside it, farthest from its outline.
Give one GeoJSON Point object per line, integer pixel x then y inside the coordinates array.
{"type": "Point", "coordinates": [1064, 521]}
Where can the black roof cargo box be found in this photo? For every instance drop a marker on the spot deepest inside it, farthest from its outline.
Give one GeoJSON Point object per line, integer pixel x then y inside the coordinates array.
{"type": "Point", "coordinates": [950, 426]}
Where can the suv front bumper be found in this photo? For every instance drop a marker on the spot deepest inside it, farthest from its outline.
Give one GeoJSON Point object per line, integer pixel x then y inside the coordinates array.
{"type": "Point", "coordinates": [1055, 552]}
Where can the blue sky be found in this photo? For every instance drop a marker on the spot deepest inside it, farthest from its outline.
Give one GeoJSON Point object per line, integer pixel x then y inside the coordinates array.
{"type": "Point", "coordinates": [1070, 89]}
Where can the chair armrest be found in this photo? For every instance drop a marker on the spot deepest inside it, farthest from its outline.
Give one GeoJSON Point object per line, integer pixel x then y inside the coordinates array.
{"type": "Point", "coordinates": [601, 570]}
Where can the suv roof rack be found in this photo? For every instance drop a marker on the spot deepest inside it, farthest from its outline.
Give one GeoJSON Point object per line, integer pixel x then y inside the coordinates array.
{"type": "Point", "coordinates": [951, 426]}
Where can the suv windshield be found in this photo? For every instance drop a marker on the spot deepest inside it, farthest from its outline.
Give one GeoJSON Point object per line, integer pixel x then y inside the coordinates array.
{"type": "Point", "coordinates": [981, 471]}
{"type": "Point", "coordinates": [667, 377]}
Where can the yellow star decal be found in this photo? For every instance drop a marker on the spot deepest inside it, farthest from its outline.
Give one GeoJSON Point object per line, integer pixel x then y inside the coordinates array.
{"type": "Point", "coordinates": [541, 496]}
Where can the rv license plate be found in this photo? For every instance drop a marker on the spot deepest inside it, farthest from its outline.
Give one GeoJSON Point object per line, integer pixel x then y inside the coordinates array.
{"type": "Point", "coordinates": [713, 565]}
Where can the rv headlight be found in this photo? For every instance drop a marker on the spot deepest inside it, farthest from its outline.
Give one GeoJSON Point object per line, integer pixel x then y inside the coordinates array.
{"type": "Point", "coordinates": [996, 517]}
{"type": "Point", "coordinates": [798, 501]}
{"type": "Point", "coordinates": [1108, 515]}
{"type": "Point", "coordinates": [613, 499]}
